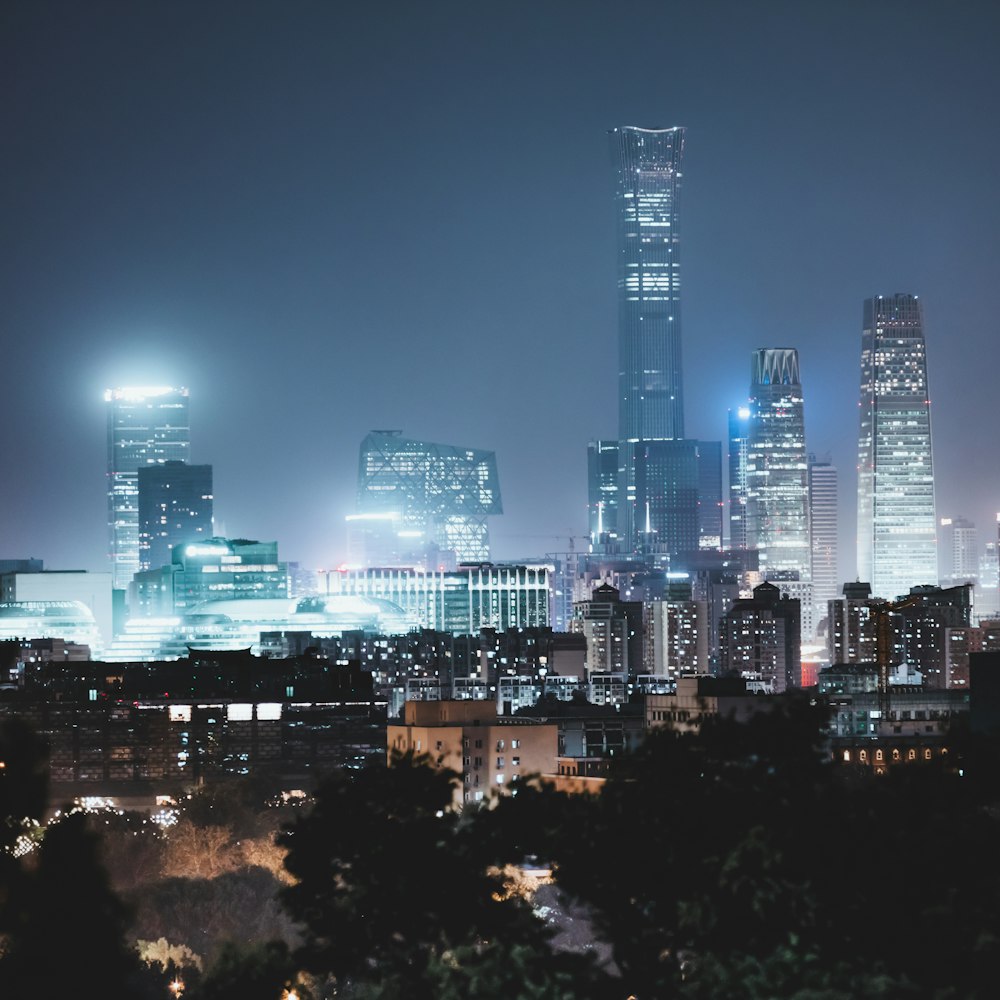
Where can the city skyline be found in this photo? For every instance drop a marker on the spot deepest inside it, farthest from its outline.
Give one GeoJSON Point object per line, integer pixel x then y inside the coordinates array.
{"type": "Point", "coordinates": [237, 252]}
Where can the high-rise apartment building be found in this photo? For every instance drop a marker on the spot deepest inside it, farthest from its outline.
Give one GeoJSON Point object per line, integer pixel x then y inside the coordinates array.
{"type": "Point", "coordinates": [760, 638]}
{"type": "Point", "coordinates": [896, 522]}
{"type": "Point", "coordinates": [776, 469]}
{"type": "Point", "coordinates": [823, 534]}
{"type": "Point", "coordinates": [647, 167]}
{"type": "Point", "coordinates": [146, 426]}
{"type": "Point", "coordinates": [175, 506]}
{"type": "Point", "coordinates": [421, 503]}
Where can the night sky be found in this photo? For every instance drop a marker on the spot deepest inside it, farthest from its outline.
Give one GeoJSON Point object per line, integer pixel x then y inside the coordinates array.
{"type": "Point", "coordinates": [326, 218]}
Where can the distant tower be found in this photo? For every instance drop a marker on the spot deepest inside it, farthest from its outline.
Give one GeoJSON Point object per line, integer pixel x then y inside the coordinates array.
{"type": "Point", "coordinates": [739, 429]}
{"type": "Point", "coordinates": [175, 506]}
{"type": "Point", "coordinates": [146, 426]}
{"type": "Point", "coordinates": [896, 523]}
{"type": "Point", "coordinates": [777, 477]}
{"type": "Point", "coordinates": [421, 502]}
{"type": "Point", "coordinates": [647, 167]}
{"type": "Point", "coordinates": [823, 534]}
{"type": "Point", "coordinates": [959, 551]}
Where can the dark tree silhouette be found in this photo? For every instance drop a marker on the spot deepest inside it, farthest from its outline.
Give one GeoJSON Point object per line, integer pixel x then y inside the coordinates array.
{"type": "Point", "coordinates": [396, 897]}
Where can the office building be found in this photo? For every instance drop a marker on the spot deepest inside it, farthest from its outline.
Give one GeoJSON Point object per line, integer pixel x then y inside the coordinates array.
{"type": "Point", "coordinates": [736, 466]}
{"type": "Point", "coordinates": [710, 503]}
{"type": "Point", "coordinates": [647, 170]}
{"type": "Point", "coordinates": [146, 426]}
{"type": "Point", "coordinates": [461, 601]}
{"type": "Point", "coordinates": [777, 476]}
{"type": "Point", "coordinates": [213, 570]}
{"type": "Point", "coordinates": [958, 548]}
{"type": "Point", "coordinates": [602, 494]}
{"type": "Point", "coordinates": [666, 497]}
{"type": "Point", "coordinates": [896, 520]}
{"type": "Point", "coordinates": [823, 535]}
{"type": "Point", "coordinates": [175, 507]}
{"type": "Point", "coordinates": [421, 503]}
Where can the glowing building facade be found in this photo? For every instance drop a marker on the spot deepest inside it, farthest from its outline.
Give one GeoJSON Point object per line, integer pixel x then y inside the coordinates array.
{"type": "Point", "coordinates": [602, 493]}
{"type": "Point", "coordinates": [647, 168]}
{"type": "Point", "coordinates": [421, 503]}
{"type": "Point", "coordinates": [461, 601]}
{"type": "Point", "coordinates": [146, 426]}
{"type": "Point", "coordinates": [896, 518]}
{"type": "Point", "coordinates": [776, 471]}
{"type": "Point", "coordinates": [739, 429]}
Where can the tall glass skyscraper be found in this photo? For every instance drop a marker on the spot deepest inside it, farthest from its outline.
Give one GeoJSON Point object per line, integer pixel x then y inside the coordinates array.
{"type": "Point", "coordinates": [147, 425]}
{"type": "Point", "coordinates": [896, 522]}
{"type": "Point", "coordinates": [739, 428]}
{"type": "Point", "coordinates": [602, 492]}
{"type": "Point", "coordinates": [647, 165]}
{"type": "Point", "coordinates": [776, 471]}
{"type": "Point", "coordinates": [421, 502]}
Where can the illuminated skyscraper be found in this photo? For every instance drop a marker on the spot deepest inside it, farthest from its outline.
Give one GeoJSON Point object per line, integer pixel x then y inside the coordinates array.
{"type": "Point", "coordinates": [146, 426]}
{"type": "Point", "coordinates": [422, 503]}
{"type": "Point", "coordinates": [647, 165]}
{"type": "Point", "coordinates": [777, 481]}
{"type": "Point", "coordinates": [739, 428]}
{"type": "Point", "coordinates": [896, 523]}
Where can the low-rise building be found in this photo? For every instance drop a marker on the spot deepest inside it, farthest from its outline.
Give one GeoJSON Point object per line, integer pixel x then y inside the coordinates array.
{"type": "Point", "coordinates": [489, 752]}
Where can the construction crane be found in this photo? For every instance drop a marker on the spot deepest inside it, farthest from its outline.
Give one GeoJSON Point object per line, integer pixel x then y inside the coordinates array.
{"type": "Point", "coordinates": [882, 612]}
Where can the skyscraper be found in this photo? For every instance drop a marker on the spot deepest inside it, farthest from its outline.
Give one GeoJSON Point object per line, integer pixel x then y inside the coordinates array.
{"type": "Point", "coordinates": [739, 428]}
{"type": "Point", "coordinates": [777, 481]}
{"type": "Point", "coordinates": [647, 164]}
{"type": "Point", "coordinates": [175, 506]}
{"type": "Point", "coordinates": [710, 494]}
{"type": "Point", "coordinates": [823, 534]}
{"type": "Point", "coordinates": [602, 492]}
{"type": "Point", "coordinates": [666, 491]}
{"type": "Point", "coordinates": [420, 502]}
{"type": "Point", "coordinates": [147, 425]}
{"type": "Point", "coordinates": [896, 523]}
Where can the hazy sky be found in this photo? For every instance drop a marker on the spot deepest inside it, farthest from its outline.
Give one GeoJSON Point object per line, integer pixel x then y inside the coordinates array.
{"type": "Point", "coordinates": [326, 217]}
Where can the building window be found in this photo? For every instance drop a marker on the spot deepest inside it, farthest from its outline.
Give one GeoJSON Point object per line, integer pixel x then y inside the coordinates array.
{"type": "Point", "coordinates": [438, 745]}
{"type": "Point", "coordinates": [911, 754]}
{"type": "Point", "coordinates": [479, 744]}
{"type": "Point", "coordinates": [847, 756]}
{"type": "Point", "coordinates": [927, 754]}
{"type": "Point", "coordinates": [499, 762]}
{"type": "Point", "coordinates": [879, 755]}
{"type": "Point", "coordinates": [499, 779]}
{"type": "Point", "coordinates": [500, 744]}
{"type": "Point", "coordinates": [515, 762]}
{"type": "Point", "coordinates": [895, 755]}
{"type": "Point", "coordinates": [863, 756]}
{"type": "Point", "coordinates": [514, 744]}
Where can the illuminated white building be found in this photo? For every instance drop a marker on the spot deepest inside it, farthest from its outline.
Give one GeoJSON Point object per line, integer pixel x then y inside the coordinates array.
{"type": "Point", "coordinates": [896, 521]}
{"type": "Point", "coordinates": [777, 509]}
{"type": "Point", "coordinates": [147, 425]}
